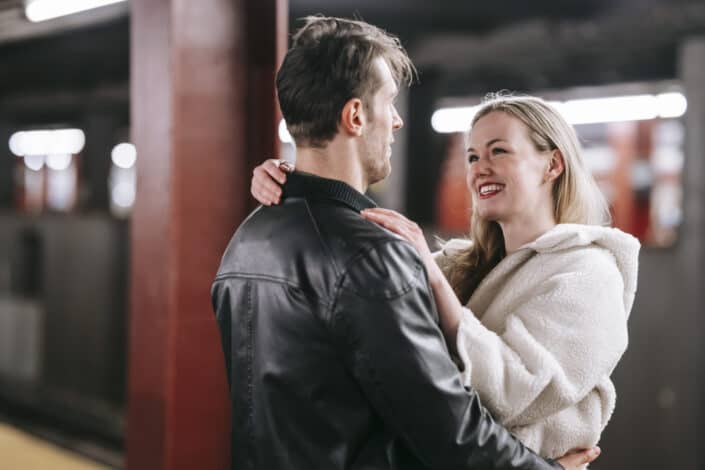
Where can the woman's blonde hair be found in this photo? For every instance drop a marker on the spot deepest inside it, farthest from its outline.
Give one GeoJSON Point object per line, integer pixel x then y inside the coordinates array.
{"type": "Point", "coordinates": [576, 197]}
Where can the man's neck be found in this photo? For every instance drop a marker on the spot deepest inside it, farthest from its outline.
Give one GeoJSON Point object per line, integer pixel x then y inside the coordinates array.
{"type": "Point", "coordinates": [335, 161]}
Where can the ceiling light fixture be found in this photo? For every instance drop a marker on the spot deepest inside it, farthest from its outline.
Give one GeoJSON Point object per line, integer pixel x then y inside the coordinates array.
{"type": "Point", "coordinates": [47, 142]}
{"type": "Point", "coordinates": [124, 155]}
{"type": "Point", "coordinates": [585, 111]}
{"type": "Point", "coordinates": [42, 10]}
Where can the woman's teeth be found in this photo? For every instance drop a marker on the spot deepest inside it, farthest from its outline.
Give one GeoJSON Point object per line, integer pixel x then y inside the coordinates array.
{"type": "Point", "coordinates": [490, 188]}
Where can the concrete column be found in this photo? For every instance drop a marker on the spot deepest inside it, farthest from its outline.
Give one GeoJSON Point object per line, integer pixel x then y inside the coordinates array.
{"type": "Point", "coordinates": [691, 257]}
{"type": "Point", "coordinates": [199, 69]}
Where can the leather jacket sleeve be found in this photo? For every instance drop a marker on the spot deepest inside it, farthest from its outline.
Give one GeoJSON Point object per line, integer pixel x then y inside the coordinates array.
{"type": "Point", "coordinates": [385, 321]}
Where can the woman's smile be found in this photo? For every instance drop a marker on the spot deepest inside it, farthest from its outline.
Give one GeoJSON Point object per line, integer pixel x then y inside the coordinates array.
{"type": "Point", "coordinates": [488, 190]}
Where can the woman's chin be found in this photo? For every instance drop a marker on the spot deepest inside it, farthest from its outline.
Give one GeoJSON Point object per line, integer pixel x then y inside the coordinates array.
{"type": "Point", "coordinates": [488, 215]}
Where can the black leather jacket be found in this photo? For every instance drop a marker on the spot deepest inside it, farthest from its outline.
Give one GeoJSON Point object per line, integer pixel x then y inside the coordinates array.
{"type": "Point", "coordinates": [334, 354]}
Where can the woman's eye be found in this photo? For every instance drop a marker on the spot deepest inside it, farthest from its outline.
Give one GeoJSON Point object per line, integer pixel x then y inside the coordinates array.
{"type": "Point", "coordinates": [498, 150]}
{"type": "Point", "coordinates": [473, 158]}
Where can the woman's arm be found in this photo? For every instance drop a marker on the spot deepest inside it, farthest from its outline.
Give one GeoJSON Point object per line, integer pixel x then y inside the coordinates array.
{"type": "Point", "coordinates": [556, 345]}
{"type": "Point", "coordinates": [450, 310]}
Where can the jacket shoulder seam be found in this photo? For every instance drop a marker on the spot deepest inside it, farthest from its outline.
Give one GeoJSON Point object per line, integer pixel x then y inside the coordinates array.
{"type": "Point", "coordinates": [321, 240]}
{"type": "Point", "coordinates": [264, 277]}
{"type": "Point", "coordinates": [338, 285]}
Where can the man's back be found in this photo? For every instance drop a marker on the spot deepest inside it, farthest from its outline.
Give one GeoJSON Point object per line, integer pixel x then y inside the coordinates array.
{"type": "Point", "coordinates": [294, 403]}
{"type": "Point", "coordinates": [334, 356]}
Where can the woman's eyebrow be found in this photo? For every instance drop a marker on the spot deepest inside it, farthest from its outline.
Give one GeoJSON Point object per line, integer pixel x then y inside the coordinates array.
{"type": "Point", "coordinates": [493, 141]}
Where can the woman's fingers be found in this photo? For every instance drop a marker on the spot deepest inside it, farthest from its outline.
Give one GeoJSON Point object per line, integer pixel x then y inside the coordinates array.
{"type": "Point", "coordinates": [394, 224]}
{"type": "Point", "coordinates": [578, 459]}
{"type": "Point", "coordinates": [261, 192]}
{"type": "Point", "coordinates": [264, 194]}
{"type": "Point", "coordinates": [376, 217]}
{"type": "Point", "coordinates": [395, 217]}
{"type": "Point", "coordinates": [387, 212]}
{"type": "Point", "coordinates": [285, 166]}
{"type": "Point", "coordinates": [273, 168]}
{"type": "Point", "coordinates": [263, 184]}
{"type": "Point", "coordinates": [267, 180]}
{"type": "Point", "coordinates": [268, 174]}
{"type": "Point", "coordinates": [405, 228]}
{"type": "Point", "coordinates": [391, 221]}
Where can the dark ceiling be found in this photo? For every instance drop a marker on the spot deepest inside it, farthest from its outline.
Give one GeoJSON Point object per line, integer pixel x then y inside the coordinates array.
{"type": "Point", "coordinates": [415, 19]}
{"type": "Point", "coordinates": [473, 46]}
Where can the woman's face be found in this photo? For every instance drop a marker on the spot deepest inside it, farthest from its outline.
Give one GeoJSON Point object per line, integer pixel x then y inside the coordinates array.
{"type": "Point", "coordinates": [506, 175]}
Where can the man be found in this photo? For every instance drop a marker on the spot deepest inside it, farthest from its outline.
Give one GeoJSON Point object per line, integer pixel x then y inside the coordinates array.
{"type": "Point", "coordinates": [334, 355]}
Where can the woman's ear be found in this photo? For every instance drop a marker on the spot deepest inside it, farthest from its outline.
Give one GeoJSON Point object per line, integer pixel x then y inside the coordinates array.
{"type": "Point", "coordinates": [352, 118]}
{"type": "Point", "coordinates": [556, 165]}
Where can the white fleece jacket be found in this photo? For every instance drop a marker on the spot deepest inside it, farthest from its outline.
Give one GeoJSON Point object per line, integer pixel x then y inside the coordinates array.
{"type": "Point", "coordinates": [544, 331]}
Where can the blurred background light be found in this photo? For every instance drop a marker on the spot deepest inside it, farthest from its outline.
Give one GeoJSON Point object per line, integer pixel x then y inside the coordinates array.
{"type": "Point", "coordinates": [16, 143]}
{"type": "Point", "coordinates": [583, 111]}
{"type": "Point", "coordinates": [47, 142]}
{"type": "Point", "coordinates": [671, 105]}
{"type": "Point", "coordinates": [41, 10]}
{"type": "Point", "coordinates": [124, 155]}
{"type": "Point", "coordinates": [34, 162]}
{"type": "Point", "coordinates": [613, 109]}
{"type": "Point", "coordinates": [58, 162]}
{"type": "Point", "coordinates": [284, 135]}
{"type": "Point", "coordinates": [449, 120]}
{"type": "Point", "coordinates": [123, 194]}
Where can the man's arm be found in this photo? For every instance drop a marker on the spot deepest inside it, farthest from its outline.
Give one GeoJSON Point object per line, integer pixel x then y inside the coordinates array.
{"type": "Point", "coordinates": [385, 320]}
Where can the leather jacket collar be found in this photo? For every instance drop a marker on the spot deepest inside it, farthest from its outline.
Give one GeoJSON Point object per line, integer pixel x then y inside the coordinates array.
{"type": "Point", "coordinates": [299, 184]}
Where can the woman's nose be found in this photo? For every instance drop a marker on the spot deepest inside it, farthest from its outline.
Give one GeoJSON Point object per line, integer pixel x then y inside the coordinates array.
{"type": "Point", "coordinates": [481, 167]}
{"type": "Point", "coordinates": [397, 121]}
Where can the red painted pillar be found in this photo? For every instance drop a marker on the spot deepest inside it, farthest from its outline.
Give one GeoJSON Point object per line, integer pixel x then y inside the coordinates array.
{"type": "Point", "coordinates": [203, 112]}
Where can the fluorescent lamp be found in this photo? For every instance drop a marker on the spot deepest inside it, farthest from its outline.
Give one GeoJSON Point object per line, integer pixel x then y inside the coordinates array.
{"type": "Point", "coordinates": [586, 111]}
{"type": "Point", "coordinates": [59, 162]}
{"type": "Point", "coordinates": [614, 109]}
{"type": "Point", "coordinates": [124, 155]}
{"type": "Point", "coordinates": [41, 10]}
{"type": "Point", "coordinates": [16, 145]}
{"type": "Point", "coordinates": [34, 162]}
{"type": "Point", "coordinates": [284, 135]}
{"type": "Point", "coordinates": [671, 105]}
{"type": "Point", "coordinates": [123, 194]}
{"type": "Point", "coordinates": [47, 142]}
{"type": "Point", "coordinates": [447, 120]}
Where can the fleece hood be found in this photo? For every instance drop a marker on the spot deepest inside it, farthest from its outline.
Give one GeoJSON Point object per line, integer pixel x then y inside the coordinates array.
{"type": "Point", "coordinates": [624, 248]}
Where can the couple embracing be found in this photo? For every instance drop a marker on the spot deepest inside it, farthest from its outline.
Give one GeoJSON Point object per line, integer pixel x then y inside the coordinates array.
{"type": "Point", "coordinates": [350, 345]}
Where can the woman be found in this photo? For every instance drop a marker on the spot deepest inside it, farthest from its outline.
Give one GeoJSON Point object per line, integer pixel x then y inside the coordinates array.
{"type": "Point", "coordinates": [536, 303]}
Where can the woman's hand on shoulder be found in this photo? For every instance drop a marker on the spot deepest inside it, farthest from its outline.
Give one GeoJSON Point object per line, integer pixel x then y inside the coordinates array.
{"type": "Point", "coordinates": [267, 179]}
{"type": "Point", "coordinates": [397, 223]}
{"type": "Point", "coordinates": [408, 230]}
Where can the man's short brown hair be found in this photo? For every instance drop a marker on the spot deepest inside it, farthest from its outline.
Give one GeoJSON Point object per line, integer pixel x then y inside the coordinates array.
{"type": "Point", "coordinates": [329, 63]}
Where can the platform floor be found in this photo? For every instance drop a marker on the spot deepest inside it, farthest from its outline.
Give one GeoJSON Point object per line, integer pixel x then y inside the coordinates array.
{"type": "Point", "coordinates": [22, 451]}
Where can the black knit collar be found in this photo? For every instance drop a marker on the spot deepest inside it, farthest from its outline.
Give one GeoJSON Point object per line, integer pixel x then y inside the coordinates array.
{"type": "Point", "coordinates": [300, 184]}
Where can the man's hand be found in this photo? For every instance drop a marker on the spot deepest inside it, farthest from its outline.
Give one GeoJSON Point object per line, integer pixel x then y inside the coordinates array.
{"type": "Point", "coordinates": [578, 459]}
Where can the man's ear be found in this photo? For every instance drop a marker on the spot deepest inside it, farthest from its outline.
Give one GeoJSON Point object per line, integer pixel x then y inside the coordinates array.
{"type": "Point", "coordinates": [556, 166]}
{"type": "Point", "coordinates": [352, 118]}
